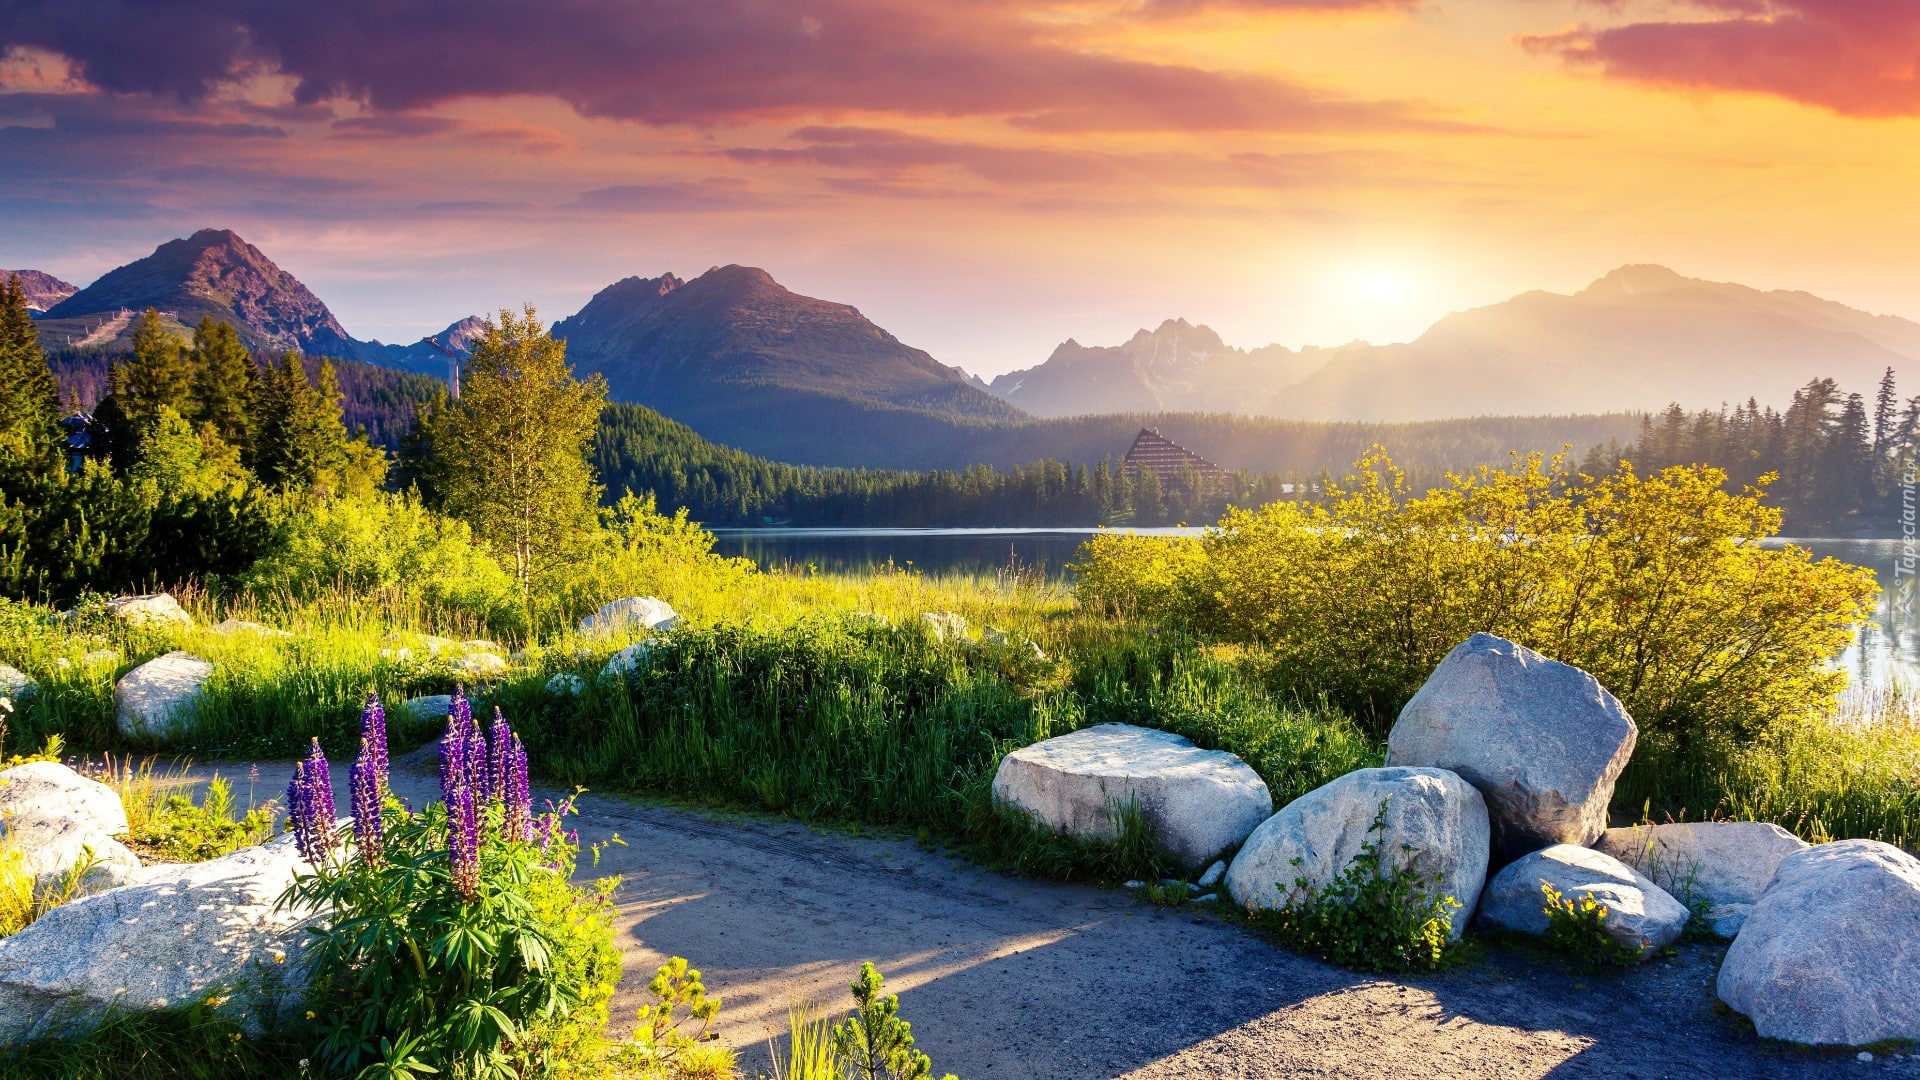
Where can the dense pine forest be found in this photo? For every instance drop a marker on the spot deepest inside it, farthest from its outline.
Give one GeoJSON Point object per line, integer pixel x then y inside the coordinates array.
{"type": "Point", "coordinates": [1837, 464]}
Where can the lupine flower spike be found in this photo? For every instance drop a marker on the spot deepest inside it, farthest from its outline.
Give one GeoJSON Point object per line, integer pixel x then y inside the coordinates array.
{"type": "Point", "coordinates": [310, 805]}
{"type": "Point", "coordinates": [519, 794]}
{"type": "Point", "coordinates": [499, 737]}
{"type": "Point", "coordinates": [365, 788]}
{"type": "Point", "coordinates": [463, 840]}
{"type": "Point", "coordinates": [373, 732]}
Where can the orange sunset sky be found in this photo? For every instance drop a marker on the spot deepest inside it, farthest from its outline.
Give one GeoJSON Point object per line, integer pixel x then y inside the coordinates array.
{"type": "Point", "coordinates": [984, 178]}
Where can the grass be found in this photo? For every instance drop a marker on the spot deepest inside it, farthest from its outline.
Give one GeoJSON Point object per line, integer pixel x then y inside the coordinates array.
{"type": "Point", "coordinates": [194, 1043]}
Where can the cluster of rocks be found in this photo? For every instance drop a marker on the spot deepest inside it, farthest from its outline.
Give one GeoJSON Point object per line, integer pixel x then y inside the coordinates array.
{"type": "Point", "coordinates": [140, 937]}
{"type": "Point", "coordinates": [950, 628]}
{"type": "Point", "coordinates": [1505, 762]}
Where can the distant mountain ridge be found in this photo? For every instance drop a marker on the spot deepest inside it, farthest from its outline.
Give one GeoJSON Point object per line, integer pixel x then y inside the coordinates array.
{"type": "Point", "coordinates": [747, 362]}
{"type": "Point", "coordinates": [43, 290]}
{"type": "Point", "coordinates": [1637, 338]}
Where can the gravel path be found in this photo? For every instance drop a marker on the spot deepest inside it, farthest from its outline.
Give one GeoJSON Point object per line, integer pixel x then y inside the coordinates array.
{"type": "Point", "coordinates": [1010, 979]}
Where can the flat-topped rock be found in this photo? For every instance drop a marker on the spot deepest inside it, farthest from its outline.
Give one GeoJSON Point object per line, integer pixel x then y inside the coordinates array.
{"type": "Point", "coordinates": [1543, 741]}
{"type": "Point", "coordinates": [181, 934]}
{"type": "Point", "coordinates": [1196, 804]}
{"type": "Point", "coordinates": [1831, 953]}
{"type": "Point", "coordinates": [1639, 913]}
{"type": "Point", "coordinates": [158, 610]}
{"type": "Point", "coordinates": [630, 613]}
{"type": "Point", "coordinates": [1724, 865]}
{"type": "Point", "coordinates": [1429, 819]}
{"type": "Point", "coordinates": [154, 701]}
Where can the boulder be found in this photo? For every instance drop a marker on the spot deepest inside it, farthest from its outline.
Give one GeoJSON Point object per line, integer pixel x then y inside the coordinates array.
{"type": "Point", "coordinates": [158, 610]}
{"type": "Point", "coordinates": [229, 627]}
{"type": "Point", "coordinates": [1196, 803]}
{"type": "Point", "coordinates": [181, 935]}
{"type": "Point", "coordinates": [944, 625]}
{"type": "Point", "coordinates": [566, 684]}
{"type": "Point", "coordinates": [15, 683]}
{"type": "Point", "coordinates": [628, 660]}
{"type": "Point", "coordinates": [631, 613]}
{"type": "Point", "coordinates": [1640, 914]}
{"type": "Point", "coordinates": [484, 665]}
{"type": "Point", "coordinates": [1543, 741]}
{"type": "Point", "coordinates": [55, 817]}
{"type": "Point", "coordinates": [1829, 954]}
{"type": "Point", "coordinates": [479, 645]}
{"type": "Point", "coordinates": [429, 707]}
{"type": "Point", "coordinates": [1723, 866]}
{"type": "Point", "coordinates": [1433, 821]}
{"type": "Point", "coordinates": [152, 702]}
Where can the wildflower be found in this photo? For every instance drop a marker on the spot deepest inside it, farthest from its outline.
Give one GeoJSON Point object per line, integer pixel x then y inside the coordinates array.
{"type": "Point", "coordinates": [463, 839]}
{"type": "Point", "coordinates": [518, 796]}
{"type": "Point", "coordinates": [373, 732]}
{"type": "Point", "coordinates": [310, 805]}
{"type": "Point", "coordinates": [497, 747]}
{"type": "Point", "coordinates": [364, 787]}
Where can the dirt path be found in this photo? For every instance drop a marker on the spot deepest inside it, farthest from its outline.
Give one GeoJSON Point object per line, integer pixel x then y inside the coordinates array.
{"type": "Point", "coordinates": [1012, 979]}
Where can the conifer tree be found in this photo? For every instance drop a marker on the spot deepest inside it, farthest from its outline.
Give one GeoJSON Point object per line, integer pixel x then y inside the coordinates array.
{"type": "Point", "coordinates": [299, 439]}
{"type": "Point", "coordinates": [509, 457]}
{"type": "Point", "coordinates": [223, 383]}
{"type": "Point", "coordinates": [157, 375]}
{"type": "Point", "coordinates": [29, 398]}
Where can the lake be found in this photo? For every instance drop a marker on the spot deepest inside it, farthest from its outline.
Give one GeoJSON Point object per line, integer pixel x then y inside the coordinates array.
{"type": "Point", "coordinates": [1886, 649]}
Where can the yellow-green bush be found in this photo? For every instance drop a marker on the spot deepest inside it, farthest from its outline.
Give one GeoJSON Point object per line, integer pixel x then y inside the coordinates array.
{"type": "Point", "coordinates": [1657, 585]}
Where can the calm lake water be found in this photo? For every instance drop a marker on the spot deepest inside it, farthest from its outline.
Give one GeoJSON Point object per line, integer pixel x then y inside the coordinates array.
{"type": "Point", "coordinates": [1886, 649]}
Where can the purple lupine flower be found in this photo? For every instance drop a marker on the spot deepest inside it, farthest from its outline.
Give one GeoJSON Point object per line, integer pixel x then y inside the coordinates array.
{"type": "Point", "coordinates": [463, 840]}
{"type": "Point", "coordinates": [460, 711]}
{"type": "Point", "coordinates": [364, 787]}
{"type": "Point", "coordinates": [473, 767]}
{"type": "Point", "coordinates": [453, 750]}
{"type": "Point", "coordinates": [518, 796]}
{"type": "Point", "coordinates": [499, 743]}
{"type": "Point", "coordinates": [310, 806]}
{"type": "Point", "coordinates": [373, 732]}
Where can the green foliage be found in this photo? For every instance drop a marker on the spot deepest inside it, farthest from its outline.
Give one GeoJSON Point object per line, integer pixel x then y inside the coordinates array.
{"type": "Point", "coordinates": [508, 457]}
{"type": "Point", "coordinates": [810, 1050]}
{"type": "Point", "coordinates": [29, 399]}
{"type": "Point", "coordinates": [873, 1042]}
{"type": "Point", "coordinates": [1380, 913]}
{"type": "Point", "coordinates": [180, 830]}
{"type": "Point", "coordinates": [299, 440]}
{"type": "Point", "coordinates": [1577, 929]}
{"type": "Point", "coordinates": [157, 376]}
{"type": "Point", "coordinates": [387, 544]}
{"type": "Point", "coordinates": [191, 1043]}
{"type": "Point", "coordinates": [410, 980]}
{"type": "Point", "coordinates": [660, 1048]}
{"type": "Point", "coordinates": [1656, 585]}
{"type": "Point", "coordinates": [225, 382]}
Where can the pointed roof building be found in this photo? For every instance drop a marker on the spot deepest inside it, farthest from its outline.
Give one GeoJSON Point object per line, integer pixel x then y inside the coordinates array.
{"type": "Point", "coordinates": [1166, 458]}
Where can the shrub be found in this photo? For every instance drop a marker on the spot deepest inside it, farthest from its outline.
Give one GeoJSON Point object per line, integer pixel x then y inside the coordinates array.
{"type": "Point", "coordinates": [457, 947]}
{"type": "Point", "coordinates": [660, 1049]}
{"type": "Point", "coordinates": [873, 1043]}
{"type": "Point", "coordinates": [1378, 914]}
{"type": "Point", "coordinates": [1577, 929]}
{"type": "Point", "coordinates": [1654, 584]}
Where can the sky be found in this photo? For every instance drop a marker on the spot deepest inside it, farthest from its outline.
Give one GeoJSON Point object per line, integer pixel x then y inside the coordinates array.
{"type": "Point", "coordinates": [984, 178]}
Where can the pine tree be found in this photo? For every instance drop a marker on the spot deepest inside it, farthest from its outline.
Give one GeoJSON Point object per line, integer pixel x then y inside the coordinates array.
{"type": "Point", "coordinates": [157, 375]}
{"type": "Point", "coordinates": [510, 455]}
{"type": "Point", "coordinates": [223, 383]}
{"type": "Point", "coordinates": [299, 440]}
{"type": "Point", "coordinates": [29, 397]}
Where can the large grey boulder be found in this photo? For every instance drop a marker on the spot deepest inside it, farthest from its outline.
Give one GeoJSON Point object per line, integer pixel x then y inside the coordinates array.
{"type": "Point", "coordinates": [1639, 913]}
{"type": "Point", "coordinates": [179, 936]}
{"type": "Point", "coordinates": [152, 702]}
{"type": "Point", "coordinates": [1831, 953]}
{"type": "Point", "coordinates": [56, 818]}
{"type": "Point", "coordinates": [15, 683]}
{"type": "Point", "coordinates": [1432, 820]}
{"type": "Point", "coordinates": [1724, 866]}
{"type": "Point", "coordinates": [158, 610]}
{"type": "Point", "coordinates": [631, 613]}
{"type": "Point", "coordinates": [1543, 741]}
{"type": "Point", "coordinates": [1195, 803]}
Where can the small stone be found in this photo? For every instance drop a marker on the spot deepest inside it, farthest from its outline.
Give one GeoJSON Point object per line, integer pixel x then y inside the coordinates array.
{"type": "Point", "coordinates": [1212, 877]}
{"type": "Point", "coordinates": [228, 627]}
{"type": "Point", "coordinates": [1863, 1056]}
{"type": "Point", "coordinates": [945, 625]}
{"type": "Point", "coordinates": [1210, 898]}
{"type": "Point", "coordinates": [14, 682]}
{"type": "Point", "coordinates": [629, 660]}
{"type": "Point", "coordinates": [1134, 885]}
{"type": "Point", "coordinates": [566, 684]}
{"type": "Point", "coordinates": [645, 613]}
{"type": "Point", "coordinates": [483, 665]}
{"type": "Point", "coordinates": [153, 609]}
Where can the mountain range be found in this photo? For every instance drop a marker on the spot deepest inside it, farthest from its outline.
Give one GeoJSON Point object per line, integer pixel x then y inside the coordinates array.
{"type": "Point", "coordinates": [43, 290]}
{"type": "Point", "coordinates": [1636, 339]}
{"type": "Point", "coordinates": [748, 363]}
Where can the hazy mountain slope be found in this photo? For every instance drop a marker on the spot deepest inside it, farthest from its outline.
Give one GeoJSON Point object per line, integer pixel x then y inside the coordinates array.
{"type": "Point", "coordinates": [1638, 338]}
{"type": "Point", "coordinates": [1177, 366]}
{"type": "Point", "coordinates": [429, 354]}
{"type": "Point", "coordinates": [746, 362]}
{"type": "Point", "coordinates": [43, 290]}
